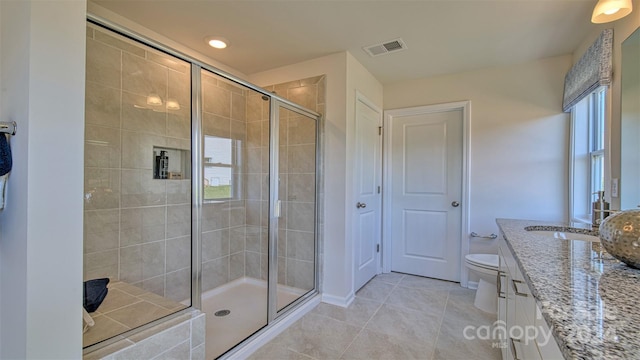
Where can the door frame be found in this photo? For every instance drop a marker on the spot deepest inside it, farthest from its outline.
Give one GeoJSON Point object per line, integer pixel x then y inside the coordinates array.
{"type": "Point", "coordinates": [364, 100]}
{"type": "Point", "coordinates": [465, 107]}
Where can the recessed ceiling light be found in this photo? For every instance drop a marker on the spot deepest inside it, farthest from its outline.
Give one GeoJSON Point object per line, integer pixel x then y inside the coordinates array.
{"type": "Point", "coordinates": [217, 42]}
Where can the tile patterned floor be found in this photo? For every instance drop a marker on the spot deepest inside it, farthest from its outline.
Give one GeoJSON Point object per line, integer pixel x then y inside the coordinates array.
{"type": "Point", "coordinates": [395, 316]}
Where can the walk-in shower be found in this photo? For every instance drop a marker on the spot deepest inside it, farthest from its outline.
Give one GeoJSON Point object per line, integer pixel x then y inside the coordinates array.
{"type": "Point", "coordinates": [200, 190]}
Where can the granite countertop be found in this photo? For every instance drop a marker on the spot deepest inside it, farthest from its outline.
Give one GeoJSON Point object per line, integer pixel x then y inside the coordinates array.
{"type": "Point", "coordinates": [590, 300]}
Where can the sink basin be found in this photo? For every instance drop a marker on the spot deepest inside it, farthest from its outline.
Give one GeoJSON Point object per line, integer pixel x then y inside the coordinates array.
{"type": "Point", "coordinates": [565, 235]}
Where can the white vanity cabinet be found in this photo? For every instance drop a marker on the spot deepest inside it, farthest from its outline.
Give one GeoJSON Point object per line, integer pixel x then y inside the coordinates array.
{"type": "Point", "coordinates": [518, 312]}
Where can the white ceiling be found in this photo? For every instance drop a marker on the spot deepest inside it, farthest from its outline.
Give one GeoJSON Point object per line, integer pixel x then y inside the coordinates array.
{"type": "Point", "coordinates": [442, 36]}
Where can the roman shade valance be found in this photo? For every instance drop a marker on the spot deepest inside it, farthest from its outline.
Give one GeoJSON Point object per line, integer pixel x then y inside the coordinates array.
{"type": "Point", "coordinates": [591, 71]}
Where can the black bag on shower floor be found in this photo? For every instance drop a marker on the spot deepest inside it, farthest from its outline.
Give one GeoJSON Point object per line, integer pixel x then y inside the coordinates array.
{"type": "Point", "coordinates": [94, 293]}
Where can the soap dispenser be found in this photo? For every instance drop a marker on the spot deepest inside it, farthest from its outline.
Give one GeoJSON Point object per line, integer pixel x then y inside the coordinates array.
{"type": "Point", "coordinates": [599, 209]}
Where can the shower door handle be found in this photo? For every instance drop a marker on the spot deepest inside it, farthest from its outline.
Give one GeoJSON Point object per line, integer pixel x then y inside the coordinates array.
{"type": "Point", "coordinates": [277, 211]}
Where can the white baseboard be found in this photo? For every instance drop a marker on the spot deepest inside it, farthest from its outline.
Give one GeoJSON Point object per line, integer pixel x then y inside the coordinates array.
{"type": "Point", "coordinates": [281, 325]}
{"type": "Point", "coordinates": [338, 300]}
{"type": "Point", "coordinates": [473, 285]}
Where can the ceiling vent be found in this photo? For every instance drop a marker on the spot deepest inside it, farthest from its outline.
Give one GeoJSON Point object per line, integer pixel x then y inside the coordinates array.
{"type": "Point", "coordinates": [386, 47]}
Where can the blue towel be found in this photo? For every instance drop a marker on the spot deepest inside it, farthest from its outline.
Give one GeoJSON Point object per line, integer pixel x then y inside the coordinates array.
{"type": "Point", "coordinates": [5, 155]}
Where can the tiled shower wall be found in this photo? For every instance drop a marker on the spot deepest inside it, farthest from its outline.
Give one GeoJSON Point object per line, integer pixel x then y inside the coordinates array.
{"type": "Point", "coordinates": [235, 237]}
{"type": "Point", "coordinates": [136, 229]}
{"type": "Point", "coordinates": [296, 247]}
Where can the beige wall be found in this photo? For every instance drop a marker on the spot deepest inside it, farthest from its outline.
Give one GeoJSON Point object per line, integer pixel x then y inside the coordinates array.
{"type": "Point", "coordinates": [621, 30]}
{"type": "Point", "coordinates": [518, 139]}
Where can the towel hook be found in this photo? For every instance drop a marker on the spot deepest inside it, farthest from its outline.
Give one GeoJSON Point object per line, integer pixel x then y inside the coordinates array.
{"type": "Point", "coordinates": [8, 127]}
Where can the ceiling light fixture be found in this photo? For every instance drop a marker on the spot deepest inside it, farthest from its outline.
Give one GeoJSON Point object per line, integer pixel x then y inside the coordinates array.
{"type": "Point", "coordinates": [611, 10]}
{"type": "Point", "coordinates": [217, 42]}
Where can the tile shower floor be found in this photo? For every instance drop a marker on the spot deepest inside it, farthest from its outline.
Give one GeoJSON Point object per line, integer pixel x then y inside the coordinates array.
{"type": "Point", "coordinates": [394, 316]}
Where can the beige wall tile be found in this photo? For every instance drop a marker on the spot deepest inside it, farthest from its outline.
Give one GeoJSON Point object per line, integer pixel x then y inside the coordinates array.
{"type": "Point", "coordinates": [101, 147]}
{"type": "Point", "coordinates": [104, 328]}
{"type": "Point", "coordinates": [179, 123]}
{"type": "Point", "coordinates": [179, 192]}
{"type": "Point", "coordinates": [301, 130]}
{"type": "Point", "coordinates": [253, 236]}
{"type": "Point", "coordinates": [236, 266]}
{"type": "Point", "coordinates": [178, 221]}
{"type": "Point", "coordinates": [198, 330]}
{"type": "Point", "coordinates": [300, 274]}
{"type": "Point", "coordinates": [215, 273]}
{"type": "Point", "coordinates": [215, 244]}
{"type": "Point", "coordinates": [153, 259]}
{"type": "Point", "coordinates": [301, 187]}
{"type": "Point", "coordinates": [102, 105]}
{"type": "Point", "coordinates": [216, 125]}
{"type": "Point", "coordinates": [254, 134]}
{"type": "Point", "coordinates": [171, 62]}
{"type": "Point", "coordinates": [178, 253]}
{"type": "Point", "coordinates": [120, 43]}
{"type": "Point", "coordinates": [103, 64]}
{"type": "Point", "coordinates": [238, 107]}
{"type": "Point", "coordinates": [138, 116]}
{"type": "Point", "coordinates": [101, 230]}
{"type": "Point", "coordinates": [143, 77]}
{"type": "Point", "coordinates": [178, 286]}
{"type": "Point", "coordinates": [140, 189]}
{"type": "Point", "coordinates": [238, 130]}
{"type": "Point", "coordinates": [300, 245]}
{"type": "Point", "coordinates": [301, 216]}
{"type": "Point", "coordinates": [137, 149]}
{"type": "Point", "coordinates": [237, 215]}
{"type": "Point", "coordinates": [101, 188]}
{"type": "Point", "coordinates": [154, 285]}
{"type": "Point", "coordinates": [215, 216]}
{"type": "Point", "coordinates": [131, 264]}
{"type": "Point", "coordinates": [101, 264]}
{"type": "Point", "coordinates": [305, 96]}
{"type": "Point", "coordinates": [252, 264]}
{"type": "Point", "coordinates": [180, 351]}
{"type": "Point", "coordinates": [302, 158]}
{"type": "Point", "coordinates": [237, 239]}
{"type": "Point", "coordinates": [216, 100]}
{"type": "Point", "coordinates": [254, 107]}
{"type": "Point", "coordinates": [141, 225]}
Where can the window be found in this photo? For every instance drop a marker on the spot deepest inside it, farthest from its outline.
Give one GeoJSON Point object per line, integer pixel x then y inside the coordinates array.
{"type": "Point", "coordinates": [219, 168]}
{"type": "Point", "coordinates": [587, 153]}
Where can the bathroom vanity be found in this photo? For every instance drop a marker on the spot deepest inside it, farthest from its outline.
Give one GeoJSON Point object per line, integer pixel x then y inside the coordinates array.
{"type": "Point", "coordinates": [561, 298]}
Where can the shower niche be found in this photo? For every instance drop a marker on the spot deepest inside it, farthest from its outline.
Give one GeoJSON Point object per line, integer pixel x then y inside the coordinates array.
{"type": "Point", "coordinates": [171, 164]}
{"type": "Point", "coordinates": [205, 197]}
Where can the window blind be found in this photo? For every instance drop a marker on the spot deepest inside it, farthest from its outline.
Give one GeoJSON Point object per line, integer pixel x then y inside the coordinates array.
{"type": "Point", "coordinates": [591, 71]}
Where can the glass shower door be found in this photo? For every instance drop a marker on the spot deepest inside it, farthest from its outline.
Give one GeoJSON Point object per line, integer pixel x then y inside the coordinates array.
{"type": "Point", "coordinates": [295, 205]}
{"type": "Point", "coordinates": [235, 215]}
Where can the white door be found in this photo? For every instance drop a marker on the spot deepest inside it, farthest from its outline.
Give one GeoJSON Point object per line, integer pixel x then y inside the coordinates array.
{"type": "Point", "coordinates": [425, 174]}
{"type": "Point", "coordinates": [367, 207]}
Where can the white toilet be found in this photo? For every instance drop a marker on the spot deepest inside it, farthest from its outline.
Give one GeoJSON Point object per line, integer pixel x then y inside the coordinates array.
{"type": "Point", "coordinates": [485, 266]}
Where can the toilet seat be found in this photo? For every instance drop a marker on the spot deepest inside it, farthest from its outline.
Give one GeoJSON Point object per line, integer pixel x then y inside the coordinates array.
{"type": "Point", "coordinates": [486, 261]}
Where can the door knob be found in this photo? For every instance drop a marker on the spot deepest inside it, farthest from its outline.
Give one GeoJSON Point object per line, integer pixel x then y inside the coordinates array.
{"type": "Point", "coordinates": [360, 205]}
{"type": "Point", "coordinates": [455, 204]}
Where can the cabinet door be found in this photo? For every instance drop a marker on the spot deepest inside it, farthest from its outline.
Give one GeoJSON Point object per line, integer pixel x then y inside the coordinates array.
{"type": "Point", "coordinates": [524, 330]}
{"type": "Point", "coordinates": [502, 303]}
{"type": "Point", "coordinates": [547, 345]}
